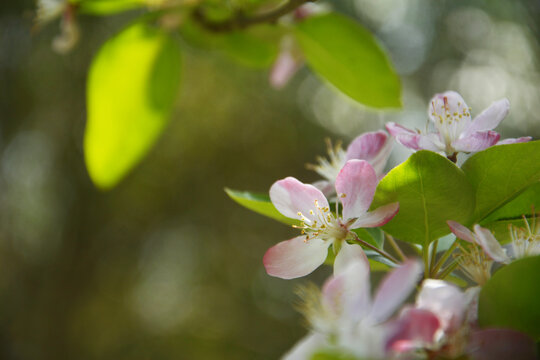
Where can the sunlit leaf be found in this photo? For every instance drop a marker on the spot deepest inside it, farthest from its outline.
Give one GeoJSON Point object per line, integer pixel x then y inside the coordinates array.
{"type": "Point", "coordinates": [510, 298]}
{"type": "Point", "coordinates": [131, 88]}
{"type": "Point", "coordinates": [260, 203]}
{"type": "Point", "coordinates": [430, 190]}
{"type": "Point", "coordinates": [346, 54]}
{"type": "Point", "coordinates": [500, 174]}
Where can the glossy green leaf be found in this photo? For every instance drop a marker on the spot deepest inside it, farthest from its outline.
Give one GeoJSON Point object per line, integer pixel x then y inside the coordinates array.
{"type": "Point", "coordinates": [430, 190]}
{"type": "Point", "coordinates": [347, 55]}
{"type": "Point", "coordinates": [500, 174]}
{"type": "Point", "coordinates": [510, 298]}
{"type": "Point", "coordinates": [374, 236]}
{"type": "Point", "coordinates": [131, 88]}
{"type": "Point", "coordinates": [260, 203]}
{"type": "Point", "coordinates": [523, 204]}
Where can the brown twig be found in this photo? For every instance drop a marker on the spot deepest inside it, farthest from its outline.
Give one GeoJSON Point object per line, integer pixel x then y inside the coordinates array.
{"type": "Point", "coordinates": [240, 21]}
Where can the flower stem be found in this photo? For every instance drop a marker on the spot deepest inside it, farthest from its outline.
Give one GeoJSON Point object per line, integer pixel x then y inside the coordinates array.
{"type": "Point", "coordinates": [444, 273]}
{"type": "Point", "coordinates": [453, 157]}
{"type": "Point", "coordinates": [395, 246]}
{"type": "Point", "coordinates": [434, 246]}
{"type": "Point", "coordinates": [374, 248]}
{"type": "Point", "coordinates": [445, 257]}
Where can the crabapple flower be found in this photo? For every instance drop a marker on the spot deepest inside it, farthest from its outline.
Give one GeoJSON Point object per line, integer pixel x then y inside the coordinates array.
{"type": "Point", "coordinates": [374, 147]}
{"type": "Point", "coordinates": [346, 317]}
{"type": "Point", "coordinates": [525, 240]}
{"type": "Point", "coordinates": [287, 63]}
{"type": "Point", "coordinates": [477, 260]}
{"type": "Point", "coordinates": [48, 10]}
{"type": "Point", "coordinates": [355, 186]}
{"type": "Point", "coordinates": [454, 129]}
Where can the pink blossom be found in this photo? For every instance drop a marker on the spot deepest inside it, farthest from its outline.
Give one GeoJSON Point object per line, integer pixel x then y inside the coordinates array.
{"type": "Point", "coordinates": [374, 147]}
{"type": "Point", "coordinates": [355, 185]}
{"type": "Point", "coordinates": [350, 316]}
{"type": "Point", "coordinates": [454, 129]}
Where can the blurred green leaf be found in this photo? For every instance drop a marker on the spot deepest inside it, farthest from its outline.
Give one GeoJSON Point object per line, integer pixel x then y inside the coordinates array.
{"type": "Point", "coordinates": [347, 55]}
{"type": "Point", "coordinates": [260, 203]}
{"type": "Point", "coordinates": [131, 88]}
{"type": "Point", "coordinates": [500, 174]}
{"type": "Point", "coordinates": [256, 47]}
{"type": "Point", "coordinates": [510, 298]}
{"type": "Point", "coordinates": [430, 190]}
{"type": "Point", "coordinates": [332, 355]}
{"type": "Point", "coordinates": [108, 7]}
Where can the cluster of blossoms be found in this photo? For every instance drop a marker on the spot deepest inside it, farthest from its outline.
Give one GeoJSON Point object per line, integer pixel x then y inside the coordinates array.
{"type": "Point", "coordinates": [343, 315]}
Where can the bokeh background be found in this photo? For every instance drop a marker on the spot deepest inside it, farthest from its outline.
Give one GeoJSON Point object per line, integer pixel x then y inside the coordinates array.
{"type": "Point", "coordinates": [165, 266]}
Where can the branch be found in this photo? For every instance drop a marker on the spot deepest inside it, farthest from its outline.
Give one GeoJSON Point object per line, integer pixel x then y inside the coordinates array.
{"type": "Point", "coordinates": [241, 21]}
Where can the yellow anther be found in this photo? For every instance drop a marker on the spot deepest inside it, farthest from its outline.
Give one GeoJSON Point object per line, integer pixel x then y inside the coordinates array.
{"type": "Point", "coordinates": [343, 195]}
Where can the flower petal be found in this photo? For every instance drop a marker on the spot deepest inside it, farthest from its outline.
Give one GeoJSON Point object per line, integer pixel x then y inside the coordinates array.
{"type": "Point", "coordinates": [500, 344]}
{"type": "Point", "coordinates": [404, 136]}
{"type": "Point", "coordinates": [348, 292]}
{"type": "Point", "coordinates": [490, 118]}
{"type": "Point", "coordinates": [444, 300]}
{"type": "Point", "coordinates": [377, 217]}
{"type": "Point", "coordinates": [394, 289]}
{"type": "Point", "coordinates": [515, 141]}
{"type": "Point", "coordinates": [285, 66]}
{"type": "Point", "coordinates": [415, 329]}
{"type": "Point", "coordinates": [461, 231]}
{"type": "Point", "coordinates": [431, 142]}
{"type": "Point", "coordinates": [306, 347]}
{"type": "Point", "coordinates": [291, 197]}
{"type": "Point", "coordinates": [295, 258]}
{"type": "Point", "coordinates": [374, 147]}
{"type": "Point", "coordinates": [491, 246]}
{"type": "Point", "coordinates": [348, 254]}
{"type": "Point", "coordinates": [476, 141]}
{"type": "Point", "coordinates": [355, 187]}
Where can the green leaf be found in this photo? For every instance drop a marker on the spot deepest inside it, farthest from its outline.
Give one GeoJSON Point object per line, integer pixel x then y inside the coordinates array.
{"type": "Point", "coordinates": [131, 88]}
{"type": "Point", "coordinates": [510, 298]}
{"type": "Point", "coordinates": [501, 173]}
{"type": "Point", "coordinates": [523, 204]}
{"type": "Point", "coordinates": [374, 236]}
{"type": "Point", "coordinates": [260, 203]}
{"type": "Point", "coordinates": [255, 47]}
{"type": "Point", "coordinates": [346, 54]}
{"type": "Point", "coordinates": [430, 190]}
{"type": "Point", "coordinates": [332, 355]}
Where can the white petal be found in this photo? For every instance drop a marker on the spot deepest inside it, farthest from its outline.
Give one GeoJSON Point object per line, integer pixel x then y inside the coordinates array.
{"type": "Point", "coordinates": [444, 300]}
{"type": "Point", "coordinates": [377, 217]}
{"type": "Point", "coordinates": [490, 118]}
{"type": "Point", "coordinates": [355, 187]}
{"type": "Point", "coordinates": [491, 246]}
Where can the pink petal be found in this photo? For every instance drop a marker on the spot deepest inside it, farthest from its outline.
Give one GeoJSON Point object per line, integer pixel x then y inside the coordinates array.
{"type": "Point", "coordinates": [377, 217]}
{"type": "Point", "coordinates": [394, 289]}
{"type": "Point", "coordinates": [355, 187]}
{"type": "Point", "coordinates": [431, 142]}
{"type": "Point", "coordinates": [295, 258]}
{"type": "Point", "coordinates": [444, 300]}
{"type": "Point", "coordinates": [348, 254]}
{"type": "Point", "coordinates": [490, 118]}
{"type": "Point", "coordinates": [491, 246]}
{"type": "Point", "coordinates": [501, 344]}
{"type": "Point", "coordinates": [348, 293]}
{"type": "Point", "coordinates": [291, 197]}
{"type": "Point", "coordinates": [415, 329]}
{"type": "Point", "coordinates": [514, 141]}
{"type": "Point", "coordinates": [476, 141]}
{"type": "Point", "coordinates": [306, 347]}
{"type": "Point", "coordinates": [404, 136]}
{"type": "Point", "coordinates": [374, 147]}
{"type": "Point", "coordinates": [285, 66]}
{"type": "Point", "coordinates": [461, 231]}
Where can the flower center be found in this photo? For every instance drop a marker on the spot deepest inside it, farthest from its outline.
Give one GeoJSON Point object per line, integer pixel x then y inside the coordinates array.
{"type": "Point", "coordinates": [525, 241]}
{"type": "Point", "coordinates": [329, 168]}
{"type": "Point", "coordinates": [322, 224]}
{"type": "Point", "coordinates": [449, 119]}
{"type": "Point", "coordinates": [474, 263]}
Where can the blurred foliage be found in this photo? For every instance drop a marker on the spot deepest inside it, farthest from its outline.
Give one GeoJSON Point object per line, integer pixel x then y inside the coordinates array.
{"type": "Point", "coordinates": [165, 266]}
